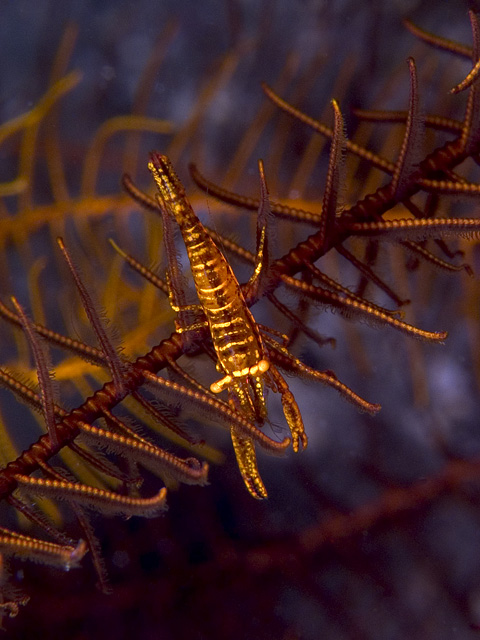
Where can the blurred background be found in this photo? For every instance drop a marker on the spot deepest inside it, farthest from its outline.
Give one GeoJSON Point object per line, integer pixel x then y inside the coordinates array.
{"type": "Point", "coordinates": [373, 532]}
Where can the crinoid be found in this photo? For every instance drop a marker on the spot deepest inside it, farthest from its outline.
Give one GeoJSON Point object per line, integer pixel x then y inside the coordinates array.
{"type": "Point", "coordinates": [89, 455]}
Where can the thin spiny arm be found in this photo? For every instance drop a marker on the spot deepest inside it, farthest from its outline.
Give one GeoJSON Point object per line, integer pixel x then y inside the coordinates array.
{"type": "Point", "coordinates": [159, 461]}
{"type": "Point", "coordinates": [350, 146]}
{"type": "Point", "coordinates": [335, 286]}
{"type": "Point", "coordinates": [141, 269]}
{"type": "Point", "coordinates": [370, 275]}
{"type": "Point", "coordinates": [364, 309]}
{"type": "Point", "coordinates": [162, 418]}
{"type": "Point", "coordinates": [437, 41]}
{"type": "Point", "coordinates": [259, 279]}
{"type": "Point", "coordinates": [471, 123]}
{"type": "Point", "coordinates": [415, 228]}
{"type": "Point", "coordinates": [44, 373]}
{"type": "Point", "coordinates": [434, 122]}
{"type": "Point", "coordinates": [252, 204]}
{"type": "Point", "coordinates": [413, 129]}
{"type": "Point", "coordinates": [91, 539]}
{"type": "Point", "coordinates": [467, 82]}
{"type": "Point", "coordinates": [283, 359]}
{"type": "Point", "coordinates": [39, 519]}
{"type": "Point", "coordinates": [91, 354]}
{"type": "Point", "coordinates": [428, 256]}
{"type": "Point", "coordinates": [115, 363]}
{"type": "Point", "coordinates": [334, 181]}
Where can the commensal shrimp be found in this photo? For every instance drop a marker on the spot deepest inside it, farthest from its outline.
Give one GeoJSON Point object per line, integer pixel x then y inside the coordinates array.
{"type": "Point", "coordinates": [242, 356]}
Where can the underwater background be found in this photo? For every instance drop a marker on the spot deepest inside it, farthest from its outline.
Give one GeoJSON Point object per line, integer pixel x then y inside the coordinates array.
{"type": "Point", "coordinates": [218, 563]}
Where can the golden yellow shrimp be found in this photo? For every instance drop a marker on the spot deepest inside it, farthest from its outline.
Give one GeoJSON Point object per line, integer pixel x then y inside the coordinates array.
{"type": "Point", "coordinates": [242, 357]}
